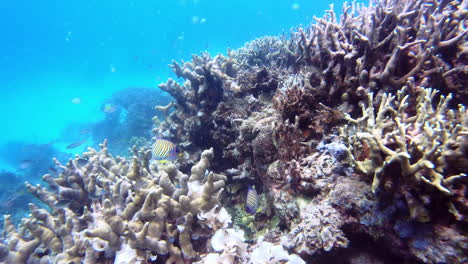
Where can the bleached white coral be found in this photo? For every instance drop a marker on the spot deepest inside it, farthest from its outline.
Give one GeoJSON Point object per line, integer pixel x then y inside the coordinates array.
{"type": "Point", "coordinates": [230, 246]}
{"type": "Point", "coordinates": [268, 253]}
{"type": "Point", "coordinates": [228, 239]}
{"type": "Point", "coordinates": [216, 218]}
{"type": "Point", "coordinates": [127, 255]}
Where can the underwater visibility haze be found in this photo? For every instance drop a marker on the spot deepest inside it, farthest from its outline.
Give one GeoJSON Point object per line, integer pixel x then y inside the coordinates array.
{"type": "Point", "coordinates": [202, 131]}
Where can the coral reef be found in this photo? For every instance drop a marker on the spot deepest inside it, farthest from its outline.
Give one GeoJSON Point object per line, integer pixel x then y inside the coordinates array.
{"type": "Point", "coordinates": [420, 141]}
{"type": "Point", "coordinates": [383, 45]}
{"type": "Point", "coordinates": [285, 115]}
{"type": "Point", "coordinates": [132, 110]}
{"type": "Point", "coordinates": [14, 197]}
{"type": "Point", "coordinates": [111, 208]}
{"type": "Point", "coordinates": [30, 159]}
{"type": "Point", "coordinates": [337, 127]}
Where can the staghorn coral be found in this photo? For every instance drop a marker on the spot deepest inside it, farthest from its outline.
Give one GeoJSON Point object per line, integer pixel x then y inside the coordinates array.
{"type": "Point", "coordinates": [370, 49]}
{"type": "Point", "coordinates": [384, 44]}
{"type": "Point", "coordinates": [262, 52]}
{"type": "Point", "coordinates": [419, 141]}
{"type": "Point", "coordinates": [111, 208]}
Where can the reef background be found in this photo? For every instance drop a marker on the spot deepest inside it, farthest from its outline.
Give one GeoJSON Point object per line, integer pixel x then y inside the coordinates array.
{"type": "Point", "coordinates": [106, 52]}
{"type": "Point", "coordinates": [353, 131]}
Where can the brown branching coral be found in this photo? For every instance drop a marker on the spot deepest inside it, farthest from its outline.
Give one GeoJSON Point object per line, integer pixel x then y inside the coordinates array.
{"type": "Point", "coordinates": [203, 88]}
{"type": "Point", "coordinates": [382, 46]}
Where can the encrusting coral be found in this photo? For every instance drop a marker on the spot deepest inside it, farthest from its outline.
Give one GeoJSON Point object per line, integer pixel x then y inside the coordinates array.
{"type": "Point", "coordinates": [319, 229]}
{"type": "Point", "coordinates": [111, 208]}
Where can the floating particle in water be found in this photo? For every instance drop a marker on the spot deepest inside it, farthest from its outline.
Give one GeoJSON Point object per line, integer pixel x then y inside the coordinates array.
{"type": "Point", "coordinates": [76, 100]}
{"type": "Point", "coordinates": [198, 20]}
{"type": "Point", "coordinates": [295, 6]}
{"type": "Point", "coordinates": [195, 19]}
{"type": "Point", "coordinates": [68, 36]}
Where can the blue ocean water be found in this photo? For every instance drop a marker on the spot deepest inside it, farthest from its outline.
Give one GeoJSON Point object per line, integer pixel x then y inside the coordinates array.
{"type": "Point", "coordinates": [63, 62]}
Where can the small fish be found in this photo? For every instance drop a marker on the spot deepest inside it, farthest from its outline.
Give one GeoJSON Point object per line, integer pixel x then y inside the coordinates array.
{"type": "Point", "coordinates": [76, 144]}
{"type": "Point", "coordinates": [181, 221]}
{"type": "Point", "coordinates": [273, 49]}
{"type": "Point", "coordinates": [62, 203]}
{"type": "Point", "coordinates": [195, 19]}
{"type": "Point", "coordinates": [251, 203]}
{"type": "Point", "coordinates": [96, 196]}
{"type": "Point", "coordinates": [82, 162]}
{"type": "Point", "coordinates": [109, 108]}
{"type": "Point", "coordinates": [85, 131]}
{"type": "Point", "coordinates": [25, 164]}
{"type": "Point", "coordinates": [164, 150]}
{"type": "Point", "coordinates": [181, 228]}
{"type": "Point", "coordinates": [56, 170]}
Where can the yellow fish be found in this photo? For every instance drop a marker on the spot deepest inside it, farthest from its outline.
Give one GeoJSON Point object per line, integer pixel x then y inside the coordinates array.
{"type": "Point", "coordinates": [164, 150]}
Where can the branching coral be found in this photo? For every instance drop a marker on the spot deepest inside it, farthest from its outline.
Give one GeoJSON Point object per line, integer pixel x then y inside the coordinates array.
{"type": "Point", "coordinates": [112, 208]}
{"type": "Point", "coordinates": [420, 140]}
{"type": "Point", "coordinates": [381, 46]}
{"type": "Point", "coordinates": [266, 51]}
{"type": "Point", "coordinates": [203, 88]}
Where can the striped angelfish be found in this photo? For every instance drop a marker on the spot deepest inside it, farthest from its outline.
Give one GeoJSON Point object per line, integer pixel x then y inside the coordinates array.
{"type": "Point", "coordinates": [251, 203]}
{"type": "Point", "coordinates": [164, 150]}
